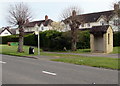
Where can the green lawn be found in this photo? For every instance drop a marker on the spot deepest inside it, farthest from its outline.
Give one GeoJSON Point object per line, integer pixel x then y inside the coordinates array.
{"type": "Point", "coordinates": [103, 62]}
{"type": "Point", "coordinates": [116, 50]}
{"type": "Point", "coordinates": [12, 50]}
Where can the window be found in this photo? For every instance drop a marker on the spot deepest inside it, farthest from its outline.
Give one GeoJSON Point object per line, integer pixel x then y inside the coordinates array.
{"type": "Point", "coordinates": [102, 23]}
{"type": "Point", "coordinates": [108, 38]}
{"type": "Point", "coordinates": [88, 24]}
{"type": "Point", "coordinates": [82, 25]}
{"type": "Point", "coordinates": [116, 22]}
{"type": "Point", "coordinates": [5, 33]}
{"type": "Point", "coordinates": [42, 28]}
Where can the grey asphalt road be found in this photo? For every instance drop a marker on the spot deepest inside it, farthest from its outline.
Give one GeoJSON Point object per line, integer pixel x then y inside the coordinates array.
{"type": "Point", "coordinates": [21, 70]}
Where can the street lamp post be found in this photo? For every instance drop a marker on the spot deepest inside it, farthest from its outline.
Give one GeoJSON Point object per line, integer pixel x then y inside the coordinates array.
{"type": "Point", "coordinates": [37, 33]}
{"type": "Point", "coordinates": [38, 43]}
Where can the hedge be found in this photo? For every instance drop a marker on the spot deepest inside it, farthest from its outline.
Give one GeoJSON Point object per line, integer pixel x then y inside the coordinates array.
{"type": "Point", "coordinates": [116, 39]}
{"type": "Point", "coordinates": [53, 40]}
{"type": "Point", "coordinates": [11, 38]}
{"type": "Point", "coordinates": [30, 39]}
{"type": "Point", "coordinates": [83, 40]}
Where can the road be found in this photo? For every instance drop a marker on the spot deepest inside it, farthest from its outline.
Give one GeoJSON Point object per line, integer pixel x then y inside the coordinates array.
{"type": "Point", "coordinates": [21, 70]}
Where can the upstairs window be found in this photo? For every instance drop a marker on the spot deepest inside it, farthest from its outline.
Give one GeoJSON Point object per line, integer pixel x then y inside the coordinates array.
{"type": "Point", "coordinates": [82, 25]}
{"type": "Point", "coordinates": [116, 22]}
{"type": "Point", "coordinates": [102, 23]}
{"type": "Point", "coordinates": [88, 24]}
{"type": "Point", "coordinates": [5, 33]}
{"type": "Point", "coordinates": [42, 28]}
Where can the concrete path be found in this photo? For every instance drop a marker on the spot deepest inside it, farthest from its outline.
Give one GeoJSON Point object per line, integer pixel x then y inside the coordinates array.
{"type": "Point", "coordinates": [91, 54]}
{"type": "Point", "coordinates": [80, 54]}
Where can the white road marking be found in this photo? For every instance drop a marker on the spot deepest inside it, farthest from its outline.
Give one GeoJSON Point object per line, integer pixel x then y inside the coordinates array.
{"type": "Point", "coordinates": [93, 83]}
{"type": "Point", "coordinates": [2, 62]}
{"type": "Point", "coordinates": [54, 74]}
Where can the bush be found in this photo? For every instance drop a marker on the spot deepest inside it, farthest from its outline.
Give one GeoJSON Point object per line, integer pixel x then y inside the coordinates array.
{"type": "Point", "coordinates": [30, 39]}
{"type": "Point", "coordinates": [53, 40]}
{"type": "Point", "coordinates": [83, 40]}
{"type": "Point", "coordinates": [116, 39]}
{"type": "Point", "coordinates": [6, 39]}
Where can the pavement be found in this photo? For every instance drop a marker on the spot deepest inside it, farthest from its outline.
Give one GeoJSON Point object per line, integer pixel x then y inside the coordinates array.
{"type": "Point", "coordinates": [91, 54]}
{"type": "Point", "coordinates": [80, 54]}
{"type": "Point", "coordinates": [21, 70]}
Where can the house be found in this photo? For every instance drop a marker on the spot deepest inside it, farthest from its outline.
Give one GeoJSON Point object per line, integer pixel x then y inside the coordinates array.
{"type": "Point", "coordinates": [101, 39]}
{"type": "Point", "coordinates": [6, 31]}
{"type": "Point", "coordinates": [31, 27]}
{"type": "Point", "coordinates": [59, 26]}
{"type": "Point", "coordinates": [99, 18]}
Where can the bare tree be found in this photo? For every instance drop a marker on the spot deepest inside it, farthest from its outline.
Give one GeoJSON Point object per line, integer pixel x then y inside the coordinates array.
{"type": "Point", "coordinates": [19, 14]}
{"type": "Point", "coordinates": [117, 8]}
{"type": "Point", "coordinates": [71, 18]}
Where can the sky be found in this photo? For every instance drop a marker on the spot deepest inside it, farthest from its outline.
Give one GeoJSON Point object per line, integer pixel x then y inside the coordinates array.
{"type": "Point", "coordinates": [54, 8]}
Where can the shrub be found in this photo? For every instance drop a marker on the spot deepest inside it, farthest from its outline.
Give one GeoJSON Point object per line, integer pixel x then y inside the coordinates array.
{"type": "Point", "coordinates": [30, 39]}
{"type": "Point", "coordinates": [53, 40]}
{"type": "Point", "coordinates": [50, 40]}
{"type": "Point", "coordinates": [11, 38]}
{"type": "Point", "coordinates": [116, 39]}
{"type": "Point", "coordinates": [83, 40]}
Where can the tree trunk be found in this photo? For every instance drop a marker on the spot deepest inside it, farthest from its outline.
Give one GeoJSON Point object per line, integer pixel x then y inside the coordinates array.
{"type": "Point", "coordinates": [21, 37]}
{"type": "Point", "coordinates": [74, 39]}
{"type": "Point", "coordinates": [74, 46]}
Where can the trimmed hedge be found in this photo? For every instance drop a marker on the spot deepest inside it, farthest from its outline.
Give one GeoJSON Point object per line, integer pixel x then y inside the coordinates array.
{"type": "Point", "coordinates": [53, 40]}
{"type": "Point", "coordinates": [116, 39]}
{"type": "Point", "coordinates": [30, 39]}
{"type": "Point", "coordinates": [83, 40]}
{"type": "Point", "coordinates": [11, 38]}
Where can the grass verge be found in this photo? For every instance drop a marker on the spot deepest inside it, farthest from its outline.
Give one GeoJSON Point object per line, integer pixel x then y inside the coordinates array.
{"type": "Point", "coordinates": [12, 50]}
{"type": "Point", "coordinates": [101, 62]}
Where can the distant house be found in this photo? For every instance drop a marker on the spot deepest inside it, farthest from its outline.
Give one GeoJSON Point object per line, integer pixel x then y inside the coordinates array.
{"type": "Point", "coordinates": [6, 31]}
{"type": "Point", "coordinates": [30, 27]}
{"type": "Point", "coordinates": [100, 18]}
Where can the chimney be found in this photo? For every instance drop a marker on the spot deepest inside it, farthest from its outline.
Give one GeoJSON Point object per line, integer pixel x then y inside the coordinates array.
{"type": "Point", "coordinates": [46, 18]}
{"type": "Point", "coordinates": [73, 13]}
{"type": "Point", "coordinates": [116, 7]}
